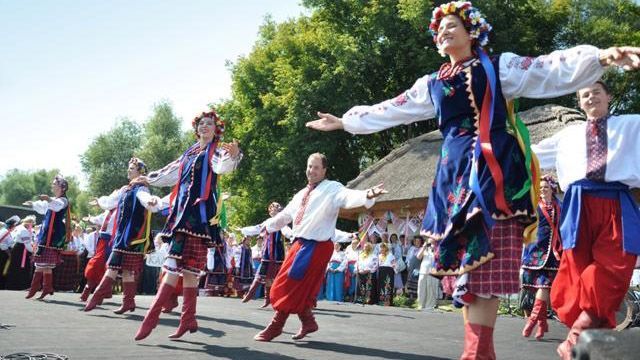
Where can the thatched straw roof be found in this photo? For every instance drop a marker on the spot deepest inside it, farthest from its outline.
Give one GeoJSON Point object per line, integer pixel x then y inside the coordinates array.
{"type": "Point", "coordinates": [408, 171]}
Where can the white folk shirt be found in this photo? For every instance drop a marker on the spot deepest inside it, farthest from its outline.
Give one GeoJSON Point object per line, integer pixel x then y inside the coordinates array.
{"type": "Point", "coordinates": [427, 262]}
{"type": "Point", "coordinates": [56, 204]}
{"type": "Point", "coordinates": [100, 219]}
{"type": "Point", "coordinates": [255, 230]}
{"type": "Point", "coordinates": [369, 263]}
{"type": "Point", "coordinates": [90, 241]}
{"type": "Point", "coordinates": [76, 245]}
{"type": "Point", "coordinates": [23, 235]}
{"type": "Point", "coordinates": [340, 257]}
{"type": "Point", "coordinates": [559, 73]}
{"type": "Point", "coordinates": [256, 252]}
{"type": "Point", "coordinates": [7, 240]}
{"type": "Point", "coordinates": [352, 254]}
{"type": "Point", "coordinates": [566, 151]}
{"type": "Point", "coordinates": [342, 236]}
{"type": "Point", "coordinates": [319, 219]}
{"type": "Point", "coordinates": [388, 261]}
{"type": "Point", "coordinates": [221, 163]}
{"type": "Point", "coordinates": [111, 201]}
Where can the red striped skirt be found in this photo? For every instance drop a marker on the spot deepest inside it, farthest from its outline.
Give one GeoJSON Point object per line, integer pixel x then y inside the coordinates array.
{"type": "Point", "coordinates": [295, 295]}
{"type": "Point", "coordinates": [49, 258]}
{"type": "Point", "coordinates": [194, 256]}
{"type": "Point", "coordinates": [500, 275]}
{"type": "Point", "coordinates": [121, 260]}
{"type": "Point", "coordinates": [67, 275]}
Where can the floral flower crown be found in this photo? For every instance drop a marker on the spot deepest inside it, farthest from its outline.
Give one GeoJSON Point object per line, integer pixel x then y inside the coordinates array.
{"type": "Point", "coordinates": [140, 165]}
{"type": "Point", "coordinates": [473, 20]}
{"type": "Point", "coordinates": [276, 206]}
{"type": "Point", "coordinates": [211, 114]}
{"type": "Point", "coordinates": [62, 182]}
{"type": "Point", "coordinates": [553, 183]}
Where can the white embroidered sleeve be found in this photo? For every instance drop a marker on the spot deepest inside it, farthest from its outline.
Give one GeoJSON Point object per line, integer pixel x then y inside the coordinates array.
{"type": "Point", "coordinates": [559, 73]}
{"type": "Point", "coordinates": [285, 216]}
{"type": "Point", "coordinates": [57, 204]}
{"type": "Point", "coordinates": [98, 219]}
{"type": "Point", "coordinates": [287, 231]}
{"type": "Point", "coordinates": [410, 106]}
{"type": "Point", "coordinates": [252, 230]}
{"type": "Point", "coordinates": [547, 150]}
{"type": "Point", "coordinates": [40, 206]}
{"type": "Point", "coordinates": [167, 176]}
{"type": "Point", "coordinates": [348, 198]}
{"type": "Point", "coordinates": [223, 163]}
{"type": "Point", "coordinates": [110, 201]}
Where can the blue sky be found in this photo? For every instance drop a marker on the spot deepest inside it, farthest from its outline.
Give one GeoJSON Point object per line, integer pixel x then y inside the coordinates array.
{"type": "Point", "coordinates": [70, 69]}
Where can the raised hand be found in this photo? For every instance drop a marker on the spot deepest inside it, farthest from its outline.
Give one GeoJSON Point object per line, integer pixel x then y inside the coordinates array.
{"type": "Point", "coordinates": [376, 191]}
{"type": "Point", "coordinates": [233, 148]}
{"type": "Point", "coordinates": [44, 197]}
{"type": "Point", "coordinates": [625, 57]}
{"type": "Point", "coordinates": [326, 122]}
{"type": "Point", "coordinates": [28, 203]}
{"type": "Point", "coordinates": [153, 201]}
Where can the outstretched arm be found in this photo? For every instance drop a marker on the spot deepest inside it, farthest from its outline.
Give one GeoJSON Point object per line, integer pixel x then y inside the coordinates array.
{"type": "Point", "coordinates": [410, 106]}
{"type": "Point", "coordinates": [348, 198]}
{"type": "Point", "coordinates": [560, 72]}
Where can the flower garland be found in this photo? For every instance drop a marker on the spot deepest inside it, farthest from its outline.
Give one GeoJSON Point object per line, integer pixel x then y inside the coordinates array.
{"type": "Point", "coordinates": [478, 26]}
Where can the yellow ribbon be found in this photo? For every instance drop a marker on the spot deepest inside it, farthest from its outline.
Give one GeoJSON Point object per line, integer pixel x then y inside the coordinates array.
{"type": "Point", "coordinates": [531, 230]}
{"type": "Point", "coordinates": [147, 224]}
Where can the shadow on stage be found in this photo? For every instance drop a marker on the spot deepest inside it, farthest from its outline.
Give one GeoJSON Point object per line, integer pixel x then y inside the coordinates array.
{"type": "Point", "coordinates": [173, 320]}
{"type": "Point", "coordinates": [348, 313]}
{"type": "Point", "coordinates": [223, 351]}
{"type": "Point", "coordinates": [81, 305]}
{"type": "Point", "coordinates": [170, 323]}
{"type": "Point", "coordinates": [362, 351]}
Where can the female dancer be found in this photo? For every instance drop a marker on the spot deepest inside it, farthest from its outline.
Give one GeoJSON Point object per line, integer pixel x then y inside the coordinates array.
{"type": "Point", "coordinates": [485, 189]}
{"type": "Point", "coordinates": [131, 242]}
{"type": "Point", "coordinates": [272, 255]}
{"type": "Point", "coordinates": [335, 274]}
{"type": "Point", "coordinates": [54, 234]}
{"type": "Point", "coordinates": [541, 258]}
{"type": "Point", "coordinates": [367, 268]}
{"type": "Point", "coordinates": [386, 271]}
{"type": "Point", "coordinates": [192, 224]}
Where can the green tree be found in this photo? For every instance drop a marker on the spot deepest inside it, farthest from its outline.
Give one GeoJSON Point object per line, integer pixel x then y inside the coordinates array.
{"type": "Point", "coordinates": [106, 159]}
{"type": "Point", "coordinates": [19, 186]}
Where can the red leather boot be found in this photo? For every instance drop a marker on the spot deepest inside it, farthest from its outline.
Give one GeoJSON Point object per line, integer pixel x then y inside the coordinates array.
{"type": "Point", "coordinates": [274, 328]}
{"type": "Point", "coordinates": [267, 300]}
{"type": "Point", "coordinates": [188, 317]}
{"type": "Point", "coordinates": [543, 327]}
{"type": "Point", "coordinates": [309, 324]}
{"type": "Point", "coordinates": [129, 298]}
{"type": "Point", "coordinates": [47, 285]}
{"type": "Point", "coordinates": [539, 311]}
{"type": "Point", "coordinates": [583, 322]}
{"type": "Point", "coordinates": [36, 284]}
{"type": "Point", "coordinates": [171, 304]}
{"type": "Point", "coordinates": [105, 288]}
{"type": "Point", "coordinates": [153, 315]}
{"type": "Point", "coordinates": [88, 289]}
{"type": "Point", "coordinates": [478, 343]}
{"type": "Point", "coordinates": [251, 293]}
